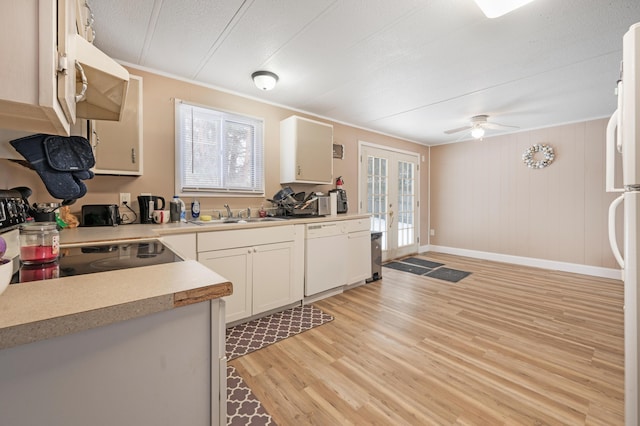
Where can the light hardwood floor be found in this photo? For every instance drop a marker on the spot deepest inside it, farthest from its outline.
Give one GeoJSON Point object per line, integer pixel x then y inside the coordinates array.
{"type": "Point", "coordinates": [507, 345]}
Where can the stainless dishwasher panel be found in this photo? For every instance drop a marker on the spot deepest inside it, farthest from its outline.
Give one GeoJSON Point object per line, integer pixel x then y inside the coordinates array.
{"type": "Point", "coordinates": [325, 257]}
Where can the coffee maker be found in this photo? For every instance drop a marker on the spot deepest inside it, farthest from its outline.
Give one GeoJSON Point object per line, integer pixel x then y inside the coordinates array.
{"type": "Point", "coordinates": [341, 195]}
{"type": "Point", "coordinates": [148, 203]}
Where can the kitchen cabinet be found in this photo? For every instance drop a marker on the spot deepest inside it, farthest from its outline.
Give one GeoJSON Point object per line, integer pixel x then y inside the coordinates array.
{"type": "Point", "coordinates": [54, 75]}
{"type": "Point", "coordinates": [306, 151]}
{"type": "Point", "coordinates": [358, 250]}
{"type": "Point", "coordinates": [118, 144]}
{"type": "Point", "coordinates": [182, 244]}
{"type": "Point", "coordinates": [34, 96]}
{"type": "Point", "coordinates": [263, 264]}
{"type": "Point", "coordinates": [166, 368]}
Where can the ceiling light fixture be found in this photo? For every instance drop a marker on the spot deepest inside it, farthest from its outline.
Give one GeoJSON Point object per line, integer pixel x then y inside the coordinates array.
{"type": "Point", "coordinates": [496, 8]}
{"type": "Point", "coordinates": [477, 132]}
{"type": "Point", "coordinates": [264, 80]}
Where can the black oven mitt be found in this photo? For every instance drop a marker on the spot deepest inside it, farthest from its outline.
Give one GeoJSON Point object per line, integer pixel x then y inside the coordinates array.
{"type": "Point", "coordinates": [61, 162]}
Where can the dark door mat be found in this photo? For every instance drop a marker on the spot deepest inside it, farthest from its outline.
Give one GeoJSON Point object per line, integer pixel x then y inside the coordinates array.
{"type": "Point", "coordinates": [422, 262]}
{"type": "Point", "coordinates": [405, 267]}
{"type": "Point", "coordinates": [447, 274]}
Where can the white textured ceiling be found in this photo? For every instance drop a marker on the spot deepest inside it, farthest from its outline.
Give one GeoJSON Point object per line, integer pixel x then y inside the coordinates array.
{"type": "Point", "coordinates": [409, 68]}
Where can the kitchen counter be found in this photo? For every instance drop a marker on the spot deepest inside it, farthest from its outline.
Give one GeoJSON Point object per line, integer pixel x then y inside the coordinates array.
{"type": "Point", "coordinates": [86, 235]}
{"type": "Point", "coordinates": [43, 309]}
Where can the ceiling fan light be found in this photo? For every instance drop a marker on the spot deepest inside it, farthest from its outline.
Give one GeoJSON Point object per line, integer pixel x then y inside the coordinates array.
{"type": "Point", "coordinates": [264, 80]}
{"type": "Point", "coordinates": [496, 8]}
{"type": "Point", "coordinates": [477, 132]}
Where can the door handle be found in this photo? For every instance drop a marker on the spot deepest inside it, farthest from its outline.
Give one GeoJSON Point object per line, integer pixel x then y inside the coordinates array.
{"type": "Point", "coordinates": [613, 241]}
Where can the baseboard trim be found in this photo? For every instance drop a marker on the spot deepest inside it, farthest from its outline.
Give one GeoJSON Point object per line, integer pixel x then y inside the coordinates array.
{"type": "Point", "coordinates": [577, 268]}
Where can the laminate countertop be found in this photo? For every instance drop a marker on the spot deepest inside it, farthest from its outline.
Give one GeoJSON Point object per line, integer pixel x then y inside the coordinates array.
{"type": "Point", "coordinates": [150, 231]}
{"type": "Point", "coordinates": [40, 310]}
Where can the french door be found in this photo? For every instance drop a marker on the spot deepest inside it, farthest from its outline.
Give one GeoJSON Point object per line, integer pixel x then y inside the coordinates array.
{"type": "Point", "coordinates": [389, 188]}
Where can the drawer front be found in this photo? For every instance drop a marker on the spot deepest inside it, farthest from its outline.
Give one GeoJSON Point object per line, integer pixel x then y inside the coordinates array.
{"type": "Point", "coordinates": [220, 240]}
{"type": "Point", "coordinates": [357, 225]}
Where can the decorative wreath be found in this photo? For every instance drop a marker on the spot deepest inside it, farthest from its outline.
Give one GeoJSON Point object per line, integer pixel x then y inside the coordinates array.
{"type": "Point", "coordinates": [529, 156]}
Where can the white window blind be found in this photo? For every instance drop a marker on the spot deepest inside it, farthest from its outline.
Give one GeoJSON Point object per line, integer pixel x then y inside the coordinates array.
{"type": "Point", "coordinates": [218, 152]}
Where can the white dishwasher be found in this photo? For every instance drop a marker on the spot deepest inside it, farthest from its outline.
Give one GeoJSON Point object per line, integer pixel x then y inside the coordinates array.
{"type": "Point", "coordinates": [325, 257]}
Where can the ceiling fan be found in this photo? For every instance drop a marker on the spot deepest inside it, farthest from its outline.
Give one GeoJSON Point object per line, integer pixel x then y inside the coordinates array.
{"type": "Point", "coordinates": [478, 124]}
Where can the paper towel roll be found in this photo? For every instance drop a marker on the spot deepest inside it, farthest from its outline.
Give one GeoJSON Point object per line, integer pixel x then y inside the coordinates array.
{"type": "Point", "coordinates": [333, 201]}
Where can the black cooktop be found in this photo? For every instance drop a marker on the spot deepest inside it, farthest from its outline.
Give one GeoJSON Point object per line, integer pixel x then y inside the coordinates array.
{"type": "Point", "coordinates": [98, 258]}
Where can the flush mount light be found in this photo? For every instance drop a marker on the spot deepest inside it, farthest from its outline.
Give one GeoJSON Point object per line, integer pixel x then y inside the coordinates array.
{"type": "Point", "coordinates": [477, 132]}
{"type": "Point", "coordinates": [264, 80]}
{"type": "Point", "coordinates": [496, 8]}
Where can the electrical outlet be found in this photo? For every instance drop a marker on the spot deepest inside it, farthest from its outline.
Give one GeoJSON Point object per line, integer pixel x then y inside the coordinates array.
{"type": "Point", "coordinates": [432, 233]}
{"type": "Point", "coordinates": [125, 197]}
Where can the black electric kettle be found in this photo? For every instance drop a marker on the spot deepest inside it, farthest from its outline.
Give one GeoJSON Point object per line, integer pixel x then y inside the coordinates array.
{"type": "Point", "coordinates": [149, 203]}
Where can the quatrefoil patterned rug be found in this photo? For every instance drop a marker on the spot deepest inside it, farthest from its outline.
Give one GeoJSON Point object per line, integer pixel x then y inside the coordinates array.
{"type": "Point", "coordinates": [243, 408]}
{"type": "Point", "coordinates": [253, 335]}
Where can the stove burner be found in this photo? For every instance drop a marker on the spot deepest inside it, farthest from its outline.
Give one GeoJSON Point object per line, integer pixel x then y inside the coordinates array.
{"type": "Point", "coordinates": [101, 258]}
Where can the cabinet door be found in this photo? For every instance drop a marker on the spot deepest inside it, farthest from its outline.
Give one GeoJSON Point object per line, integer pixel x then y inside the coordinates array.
{"type": "Point", "coordinates": [29, 97]}
{"type": "Point", "coordinates": [118, 144]}
{"type": "Point", "coordinates": [306, 151]}
{"type": "Point", "coordinates": [359, 256]}
{"type": "Point", "coordinates": [235, 265]}
{"type": "Point", "coordinates": [183, 244]}
{"type": "Point", "coordinates": [315, 152]}
{"type": "Point", "coordinates": [273, 274]}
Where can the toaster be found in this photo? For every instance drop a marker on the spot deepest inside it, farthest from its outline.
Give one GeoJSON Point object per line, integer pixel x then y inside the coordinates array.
{"type": "Point", "coordinates": [100, 215]}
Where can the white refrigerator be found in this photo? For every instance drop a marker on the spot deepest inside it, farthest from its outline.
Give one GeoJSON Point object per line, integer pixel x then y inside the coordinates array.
{"type": "Point", "coordinates": [623, 137]}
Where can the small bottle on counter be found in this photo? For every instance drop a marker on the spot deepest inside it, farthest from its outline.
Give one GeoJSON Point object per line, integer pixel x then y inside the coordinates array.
{"type": "Point", "coordinates": [177, 210]}
{"type": "Point", "coordinates": [195, 208]}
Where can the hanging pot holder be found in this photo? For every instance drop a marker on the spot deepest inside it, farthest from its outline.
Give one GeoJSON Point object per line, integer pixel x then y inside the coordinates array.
{"type": "Point", "coordinates": [69, 154]}
{"type": "Point", "coordinates": [61, 162]}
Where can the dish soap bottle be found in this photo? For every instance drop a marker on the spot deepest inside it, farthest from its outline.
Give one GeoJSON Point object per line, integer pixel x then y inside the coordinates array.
{"type": "Point", "coordinates": [195, 208]}
{"type": "Point", "coordinates": [177, 210]}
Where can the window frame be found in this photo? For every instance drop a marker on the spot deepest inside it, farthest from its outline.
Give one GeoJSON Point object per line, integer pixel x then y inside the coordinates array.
{"type": "Point", "coordinates": [259, 131]}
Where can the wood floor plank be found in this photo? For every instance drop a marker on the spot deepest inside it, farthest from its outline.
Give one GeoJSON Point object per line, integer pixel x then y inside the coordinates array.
{"type": "Point", "coordinates": [507, 345]}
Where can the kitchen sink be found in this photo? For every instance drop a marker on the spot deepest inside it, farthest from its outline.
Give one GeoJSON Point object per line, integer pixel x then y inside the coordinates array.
{"type": "Point", "coordinates": [237, 220]}
{"type": "Point", "coordinates": [266, 219]}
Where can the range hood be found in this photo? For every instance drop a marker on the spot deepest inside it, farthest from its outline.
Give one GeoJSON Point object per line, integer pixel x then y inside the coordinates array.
{"type": "Point", "coordinates": [107, 83]}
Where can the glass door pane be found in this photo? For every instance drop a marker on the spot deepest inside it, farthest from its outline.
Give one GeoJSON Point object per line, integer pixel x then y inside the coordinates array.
{"type": "Point", "coordinates": [406, 204]}
{"type": "Point", "coordinates": [377, 196]}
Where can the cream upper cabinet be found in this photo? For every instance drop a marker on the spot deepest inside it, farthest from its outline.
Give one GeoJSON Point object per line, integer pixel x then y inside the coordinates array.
{"type": "Point", "coordinates": [54, 75]}
{"type": "Point", "coordinates": [118, 144]}
{"type": "Point", "coordinates": [306, 151]}
{"type": "Point", "coordinates": [37, 93]}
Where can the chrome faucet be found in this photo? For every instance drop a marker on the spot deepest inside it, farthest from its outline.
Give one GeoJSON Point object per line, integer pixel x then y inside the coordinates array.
{"type": "Point", "coordinates": [229, 214]}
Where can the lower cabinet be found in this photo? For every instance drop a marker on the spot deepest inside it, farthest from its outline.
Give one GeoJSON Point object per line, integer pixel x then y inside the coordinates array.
{"type": "Point", "coordinates": [264, 271]}
{"type": "Point", "coordinates": [166, 368]}
{"type": "Point", "coordinates": [358, 250]}
{"type": "Point", "coordinates": [182, 244]}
